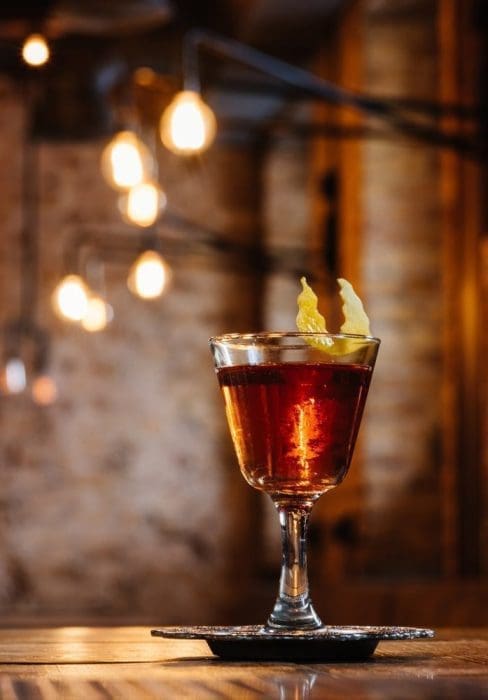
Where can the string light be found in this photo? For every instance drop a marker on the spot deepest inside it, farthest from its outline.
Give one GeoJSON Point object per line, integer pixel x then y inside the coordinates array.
{"type": "Point", "coordinates": [44, 390]}
{"type": "Point", "coordinates": [125, 161]}
{"type": "Point", "coordinates": [14, 378]}
{"type": "Point", "coordinates": [149, 275]}
{"type": "Point", "coordinates": [35, 50]}
{"type": "Point", "coordinates": [143, 203]}
{"type": "Point", "coordinates": [188, 125]}
{"type": "Point", "coordinates": [98, 314]}
{"type": "Point", "coordinates": [70, 298]}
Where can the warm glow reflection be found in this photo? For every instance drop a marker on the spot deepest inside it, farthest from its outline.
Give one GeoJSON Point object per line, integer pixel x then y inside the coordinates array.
{"type": "Point", "coordinates": [35, 50]}
{"type": "Point", "coordinates": [14, 377]}
{"type": "Point", "coordinates": [44, 390]}
{"type": "Point", "coordinates": [70, 298]}
{"type": "Point", "coordinates": [143, 204]}
{"type": "Point", "coordinates": [125, 161]}
{"type": "Point", "coordinates": [149, 275]}
{"type": "Point", "coordinates": [98, 314]}
{"type": "Point", "coordinates": [144, 76]}
{"type": "Point", "coordinates": [188, 124]}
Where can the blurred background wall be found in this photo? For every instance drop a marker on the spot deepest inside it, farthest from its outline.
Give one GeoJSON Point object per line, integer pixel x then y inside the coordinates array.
{"type": "Point", "coordinates": [122, 498]}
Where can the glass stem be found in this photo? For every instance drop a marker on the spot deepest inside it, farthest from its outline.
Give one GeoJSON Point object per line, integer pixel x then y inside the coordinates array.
{"type": "Point", "coordinates": [293, 608]}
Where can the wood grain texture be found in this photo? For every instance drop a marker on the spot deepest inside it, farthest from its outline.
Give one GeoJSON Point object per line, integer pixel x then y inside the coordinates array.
{"type": "Point", "coordinates": [126, 663]}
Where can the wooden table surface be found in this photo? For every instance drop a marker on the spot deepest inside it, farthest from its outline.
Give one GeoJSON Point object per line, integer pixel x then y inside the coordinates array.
{"type": "Point", "coordinates": [97, 663]}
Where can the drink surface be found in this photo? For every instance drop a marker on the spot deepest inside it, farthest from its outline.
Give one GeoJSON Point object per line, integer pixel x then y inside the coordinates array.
{"type": "Point", "coordinates": [294, 425]}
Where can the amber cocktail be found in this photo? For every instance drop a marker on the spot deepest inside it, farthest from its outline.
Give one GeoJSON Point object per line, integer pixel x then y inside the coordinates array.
{"type": "Point", "coordinates": [294, 403]}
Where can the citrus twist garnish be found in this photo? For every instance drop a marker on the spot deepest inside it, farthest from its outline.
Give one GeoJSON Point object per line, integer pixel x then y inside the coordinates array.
{"type": "Point", "coordinates": [356, 321]}
{"type": "Point", "coordinates": [310, 320]}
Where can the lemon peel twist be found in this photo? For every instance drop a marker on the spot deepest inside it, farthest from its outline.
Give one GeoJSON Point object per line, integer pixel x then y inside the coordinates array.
{"type": "Point", "coordinates": [355, 318]}
{"type": "Point", "coordinates": [310, 320]}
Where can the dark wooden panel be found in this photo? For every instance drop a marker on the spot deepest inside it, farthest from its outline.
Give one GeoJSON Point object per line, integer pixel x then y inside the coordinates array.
{"type": "Point", "coordinates": [462, 221]}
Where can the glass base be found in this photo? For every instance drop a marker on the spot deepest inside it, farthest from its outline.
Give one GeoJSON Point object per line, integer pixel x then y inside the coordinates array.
{"type": "Point", "coordinates": [294, 614]}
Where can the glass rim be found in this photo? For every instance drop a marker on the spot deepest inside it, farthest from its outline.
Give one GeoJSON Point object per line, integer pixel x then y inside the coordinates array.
{"type": "Point", "coordinates": [268, 335]}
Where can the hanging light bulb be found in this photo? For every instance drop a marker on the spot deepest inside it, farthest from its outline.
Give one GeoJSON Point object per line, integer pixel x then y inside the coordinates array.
{"type": "Point", "coordinates": [70, 298]}
{"type": "Point", "coordinates": [14, 378]}
{"type": "Point", "coordinates": [188, 125]}
{"type": "Point", "coordinates": [125, 161]}
{"type": "Point", "coordinates": [35, 50]}
{"type": "Point", "coordinates": [149, 275]}
{"type": "Point", "coordinates": [98, 314]}
{"type": "Point", "coordinates": [143, 203]}
{"type": "Point", "coordinates": [44, 390]}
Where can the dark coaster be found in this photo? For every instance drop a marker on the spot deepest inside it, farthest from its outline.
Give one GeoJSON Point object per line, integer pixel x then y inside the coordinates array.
{"type": "Point", "coordinates": [327, 643]}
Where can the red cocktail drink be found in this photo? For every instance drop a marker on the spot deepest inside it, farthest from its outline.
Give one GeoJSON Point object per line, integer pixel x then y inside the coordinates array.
{"type": "Point", "coordinates": [294, 403]}
{"type": "Point", "coordinates": [294, 425]}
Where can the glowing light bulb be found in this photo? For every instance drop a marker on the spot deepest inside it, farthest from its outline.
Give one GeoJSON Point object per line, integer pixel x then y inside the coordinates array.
{"type": "Point", "coordinates": [143, 204]}
{"type": "Point", "coordinates": [70, 298]}
{"type": "Point", "coordinates": [35, 50]}
{"type": "Point", "coordinates": [125, 161]}
{"type": "Point", "coordinates": [188, 125]}
{"type": "Point", "coordinates": [14, 377]}
{"type": "Point", "coordinates": [44, 390]}
{"type": "Point", "coordinates": [149, 275]}
{"type": "Point", "coordinates": [98, 314]}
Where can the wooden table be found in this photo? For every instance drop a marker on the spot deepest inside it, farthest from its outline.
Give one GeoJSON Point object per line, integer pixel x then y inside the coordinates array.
{"type": "Point", "coordinates": [94, 663]}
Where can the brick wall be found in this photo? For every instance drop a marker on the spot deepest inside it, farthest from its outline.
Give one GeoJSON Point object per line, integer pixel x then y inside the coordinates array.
{"type": "Point", "coordinates": [116, 499]}
{"type": "Point", "coordinates": [402, 283]}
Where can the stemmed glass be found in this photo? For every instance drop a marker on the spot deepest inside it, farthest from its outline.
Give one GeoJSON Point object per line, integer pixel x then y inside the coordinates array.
{"type": "Point", "coordinates": [294, 403]}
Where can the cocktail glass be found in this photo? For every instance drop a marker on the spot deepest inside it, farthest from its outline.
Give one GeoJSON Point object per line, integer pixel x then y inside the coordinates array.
{"type": "Point", "coordinates": [294, 403]}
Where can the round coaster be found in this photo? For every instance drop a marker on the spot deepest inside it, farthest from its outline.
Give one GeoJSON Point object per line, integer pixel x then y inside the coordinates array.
{"type": "Point", "coordinates": [327, 643]}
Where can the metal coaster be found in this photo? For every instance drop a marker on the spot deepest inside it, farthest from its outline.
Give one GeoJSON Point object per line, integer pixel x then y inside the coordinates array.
{"type": "Point", "coordinates": [327, 643]}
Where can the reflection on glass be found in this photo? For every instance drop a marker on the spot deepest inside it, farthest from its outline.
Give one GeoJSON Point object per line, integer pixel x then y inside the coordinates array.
{"type": "Point", "coordinates": [295, 685]}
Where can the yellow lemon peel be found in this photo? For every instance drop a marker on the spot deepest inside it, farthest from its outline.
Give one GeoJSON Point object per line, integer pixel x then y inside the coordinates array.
{"type": "Point", "coordinates": [356, 321]}
{"type": "Point", "coordinates": [310, 320]}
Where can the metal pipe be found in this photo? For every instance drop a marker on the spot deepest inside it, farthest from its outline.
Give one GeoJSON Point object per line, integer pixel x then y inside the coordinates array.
{"type": "Point", "coordinates": [308, 83]}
